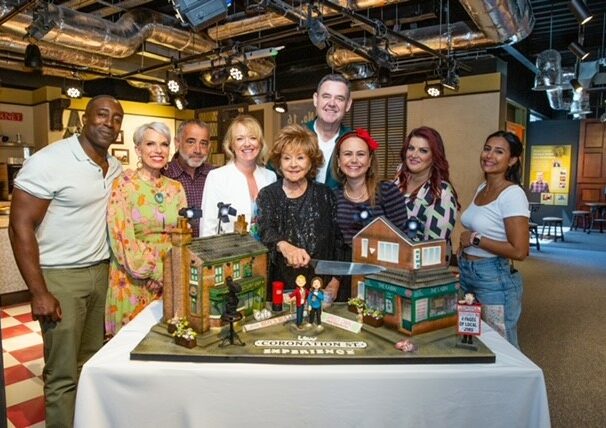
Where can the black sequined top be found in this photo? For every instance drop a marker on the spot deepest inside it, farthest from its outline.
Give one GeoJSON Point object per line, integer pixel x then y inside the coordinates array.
{"type": "Point", "coordinates": [308, 222]}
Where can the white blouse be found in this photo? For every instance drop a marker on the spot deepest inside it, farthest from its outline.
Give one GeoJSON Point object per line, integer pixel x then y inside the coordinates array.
{"type": "Point", "coordinates": [228, 185]}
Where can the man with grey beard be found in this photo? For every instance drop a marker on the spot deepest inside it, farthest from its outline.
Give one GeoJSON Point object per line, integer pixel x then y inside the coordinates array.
{"type": "Point", "coordinates": [189, 166]}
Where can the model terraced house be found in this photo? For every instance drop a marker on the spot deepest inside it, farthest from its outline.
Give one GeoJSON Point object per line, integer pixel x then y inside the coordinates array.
{"type": "Point", "coordinates": [195, 272]}
{"type": "Point", "coordinates": [417, 293]}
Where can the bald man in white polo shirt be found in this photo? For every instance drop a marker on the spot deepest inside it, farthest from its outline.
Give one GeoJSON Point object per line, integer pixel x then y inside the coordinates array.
{"type": "Point", "coordinates": [58, 233]}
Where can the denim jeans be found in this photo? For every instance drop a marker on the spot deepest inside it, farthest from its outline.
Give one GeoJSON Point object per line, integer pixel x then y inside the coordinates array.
{"type": "Point", "coordinates": [495, 284]}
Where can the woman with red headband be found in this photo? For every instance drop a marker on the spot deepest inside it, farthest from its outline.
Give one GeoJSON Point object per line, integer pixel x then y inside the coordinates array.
{"type": "Point", "coordinates": [424, 181]}
{"type": "Point", "coordinates": [363, 196]}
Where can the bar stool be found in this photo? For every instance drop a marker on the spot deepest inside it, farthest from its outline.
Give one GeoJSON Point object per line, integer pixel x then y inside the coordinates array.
{"type": "Point", "coordinates": [580, 216]}
{"type": "Point", "coordinates": [533, 228]}
{"type": "Point", "coordinates": [555, 222]}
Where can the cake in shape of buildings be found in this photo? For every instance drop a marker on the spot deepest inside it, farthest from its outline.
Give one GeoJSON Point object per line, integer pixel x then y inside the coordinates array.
{"type": "Point", "coordinates": [417, 292]}
{"type": "Point", "coordinates": [195, 272]}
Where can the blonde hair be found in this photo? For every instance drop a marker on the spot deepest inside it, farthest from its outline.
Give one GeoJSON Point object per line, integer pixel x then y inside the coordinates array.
{"type": "Point", "coordinates": [254, 127]}
{"type": "Point", "coordinates": [297, 138]}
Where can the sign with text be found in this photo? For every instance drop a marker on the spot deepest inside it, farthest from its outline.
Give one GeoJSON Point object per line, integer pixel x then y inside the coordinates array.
{"type": "Point", "coordinates": [11, 115]}
{"type": "Point", "coordinates": [469, 319]}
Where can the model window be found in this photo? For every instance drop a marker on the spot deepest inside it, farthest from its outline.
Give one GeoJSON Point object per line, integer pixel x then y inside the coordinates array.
{"type": "Point", "coordinates": [388, 252]}
{"type": "Point", "coordinates": [364, 250]}
{"type": "Point", "coordinates": [194, 274]}
{"type": "Point", "coordinates": [431, 256]}
{"type": "Point", "coordinates": [375, 299]}
{"type": "Point", "coordinates": [218, 274]}
{"type": "Point", "coordinates": [236, 270]}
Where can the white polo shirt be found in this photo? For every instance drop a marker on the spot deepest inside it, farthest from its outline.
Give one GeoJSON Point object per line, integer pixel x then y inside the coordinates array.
{"type": "Point", "coordinates": [74, 230]}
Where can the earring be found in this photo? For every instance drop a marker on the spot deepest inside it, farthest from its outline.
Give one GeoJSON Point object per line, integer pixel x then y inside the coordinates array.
{"type": "Point", "coordinates": [139, 163]}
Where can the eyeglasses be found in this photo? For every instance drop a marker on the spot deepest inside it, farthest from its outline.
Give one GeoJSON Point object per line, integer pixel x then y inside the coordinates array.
{"type": "Point", "coordinates": [192, 142]}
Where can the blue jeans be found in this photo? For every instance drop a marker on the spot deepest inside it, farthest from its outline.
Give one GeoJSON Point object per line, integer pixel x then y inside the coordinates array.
{"type": "Point", "coordinates": [494, 283]}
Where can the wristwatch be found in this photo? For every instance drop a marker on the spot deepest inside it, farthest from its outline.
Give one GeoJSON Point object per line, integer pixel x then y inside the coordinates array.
{"type": "Point", "coordinates": [475, 239]}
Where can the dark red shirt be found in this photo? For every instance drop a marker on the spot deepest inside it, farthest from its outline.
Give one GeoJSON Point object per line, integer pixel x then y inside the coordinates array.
{"type": "Point", "coordinates": [194, 187]}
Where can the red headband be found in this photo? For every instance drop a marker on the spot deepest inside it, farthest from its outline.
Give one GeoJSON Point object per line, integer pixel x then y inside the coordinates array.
{"type": "Point", "coordinates": [362, 134]}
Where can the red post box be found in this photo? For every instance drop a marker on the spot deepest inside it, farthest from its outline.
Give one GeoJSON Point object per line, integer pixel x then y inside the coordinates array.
{"type": "Point", "coordinates": [277, 288]}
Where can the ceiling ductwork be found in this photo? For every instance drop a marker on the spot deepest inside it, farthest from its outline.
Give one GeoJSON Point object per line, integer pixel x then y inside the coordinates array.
{"type": "Point", "coordinates": [119, 39]}
{"type": "Point", "coordinates": [506, 22]}
{"type": "Point", "coordinates": [275, 20]}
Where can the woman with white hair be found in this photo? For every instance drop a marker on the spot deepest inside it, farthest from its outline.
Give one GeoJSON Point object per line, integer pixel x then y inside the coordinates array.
{"type": "Point", "coordinates": [144, 204]}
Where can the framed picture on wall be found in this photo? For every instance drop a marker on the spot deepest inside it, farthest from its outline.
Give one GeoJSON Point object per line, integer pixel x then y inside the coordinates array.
{"type": "Point", "coordinates": [120, 139]}
{"type": "Point", "coordinates": [123, 155]}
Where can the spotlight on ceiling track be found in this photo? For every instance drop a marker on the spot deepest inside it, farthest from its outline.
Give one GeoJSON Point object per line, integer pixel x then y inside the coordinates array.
{"type": "Point", "coordinates": [33, 57]}
{"type": "Point", "coordinates": [175, 83]}
{"type": "Point", "coordinates": [280, 105]}
{"type": "Point", "coordinates": [200, 13]}
{"type": "Point", "coordinates": [434, 89]}
{"type": "Point", "coordinates": [238, 71]}
{"type": "Point", "coordinates": [451, 81]}
{"type": "Point", "coordinates": [180, 103]}
{"type": "Point", "coordinates": [580, 11]}
{"type": "Point", "coordinates": [576, 86]}
{"type": "Point", "coordinates": [318, 33]}
{"type": "Point", "coordinates": [578, 50]}
{"type": "Point", "coordinates": [218, 76]}
{"type": "Point", "coordinates": [74, 89]}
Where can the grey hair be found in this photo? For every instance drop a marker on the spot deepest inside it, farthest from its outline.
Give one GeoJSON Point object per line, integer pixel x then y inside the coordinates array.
{"type": "Point", "coordinates": [185, 124]}
{"type": "Point", "coordinates": [159, 127]}
{"type": "Point", "coordinates": [335, 77]}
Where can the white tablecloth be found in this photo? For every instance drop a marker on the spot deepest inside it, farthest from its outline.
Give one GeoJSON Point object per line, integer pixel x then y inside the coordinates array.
{"type": "Point", "coordinates": [117, 392]}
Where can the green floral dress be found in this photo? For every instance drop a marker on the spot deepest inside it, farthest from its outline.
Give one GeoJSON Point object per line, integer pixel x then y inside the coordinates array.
{"type": "Point", "coordinates": [139, 213]}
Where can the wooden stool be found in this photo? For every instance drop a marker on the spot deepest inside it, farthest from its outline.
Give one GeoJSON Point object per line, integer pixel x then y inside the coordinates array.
{"type": "Point", "coordinates": [580, 216]}
{"type": "Point", "coordinates": [599, 222]}
{"type": "Point", "coordinates": [533, 228]}
{"type": "Point", "coordinates": [555, 222]}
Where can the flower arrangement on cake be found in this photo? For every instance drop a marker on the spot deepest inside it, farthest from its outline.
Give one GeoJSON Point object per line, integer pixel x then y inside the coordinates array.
{"type": "Point", "coordinates": [373, 317]}
{"type": "Point", "coordinates": [355, 304]}
{"type": "Point", "coordinates": [173, 323]}
{"type": "Point", "coordinates": [184, 335]}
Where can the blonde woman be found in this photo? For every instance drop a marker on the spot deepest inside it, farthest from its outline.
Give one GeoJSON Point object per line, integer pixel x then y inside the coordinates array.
{"type": "Point", "coordinates": [239, 181]}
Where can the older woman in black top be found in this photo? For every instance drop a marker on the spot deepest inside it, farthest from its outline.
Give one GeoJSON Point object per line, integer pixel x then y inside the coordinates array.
{"type": "Point", "coordinates": [297, 216]}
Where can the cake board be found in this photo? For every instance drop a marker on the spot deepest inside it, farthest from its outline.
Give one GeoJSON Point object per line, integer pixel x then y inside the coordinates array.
{"type": "Point", "coordinates": [282, 344]}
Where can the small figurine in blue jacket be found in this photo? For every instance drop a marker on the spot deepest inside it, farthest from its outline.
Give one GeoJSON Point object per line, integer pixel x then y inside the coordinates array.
{"type": "Point", "coordinates": [314, 300]}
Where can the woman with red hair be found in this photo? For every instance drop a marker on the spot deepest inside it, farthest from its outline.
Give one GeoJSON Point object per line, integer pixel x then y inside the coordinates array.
{"type": "Point", "coordinates": [424, 181]}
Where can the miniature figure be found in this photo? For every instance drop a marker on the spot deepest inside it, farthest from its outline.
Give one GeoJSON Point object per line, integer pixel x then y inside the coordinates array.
{"type": "Point", "coordinates": [231, 314]}
{"type": "Point", "coordinates": [467, 339]}
{"type": "Point", "coordinates": [314, 300]}
{"type": "Point", "coordinates": [300, 296]}
{"type": "Point", "coordinates": [231, 307]}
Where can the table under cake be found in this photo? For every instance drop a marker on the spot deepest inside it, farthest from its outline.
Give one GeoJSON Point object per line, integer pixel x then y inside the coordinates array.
{"type": "Point", "coordinates": [115, 391]}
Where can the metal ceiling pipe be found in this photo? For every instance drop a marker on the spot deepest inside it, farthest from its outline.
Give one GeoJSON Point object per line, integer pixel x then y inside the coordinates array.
{"type": "Point", "coordinates": [119, 39]}
{"type": "Point", "coordinates": [274, 20]}
{"type": "Point", "coordinates": [462, 37]}
{"type": "Point", "coordinates": [17, 44]}
{"type": "Point", "coordinates": [503, 21]}
{"type": "Point", "coordinates": [510, 21]}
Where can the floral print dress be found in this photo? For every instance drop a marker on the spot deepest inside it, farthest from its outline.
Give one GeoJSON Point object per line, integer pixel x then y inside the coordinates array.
{"type": "Point", "coordinates": [139, 213]}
